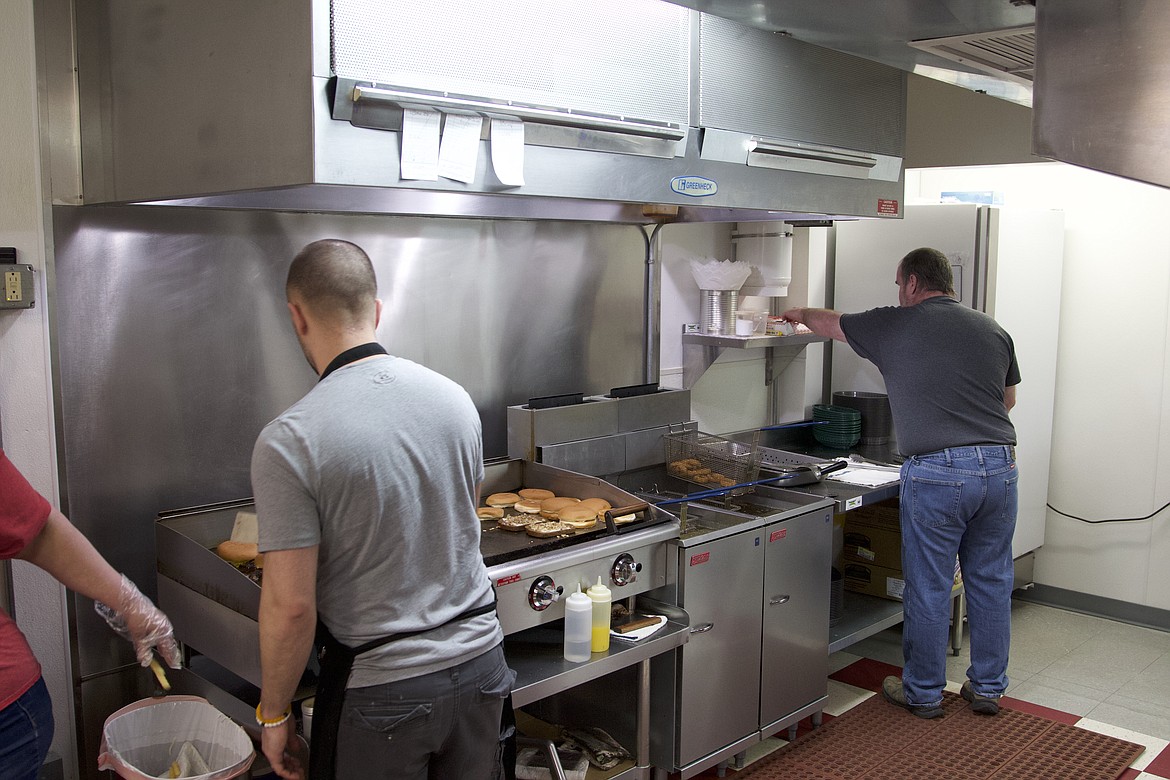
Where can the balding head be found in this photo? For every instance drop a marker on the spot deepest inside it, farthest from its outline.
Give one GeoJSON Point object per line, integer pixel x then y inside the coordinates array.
{"type": "Point", "coordinates": [334, 280]}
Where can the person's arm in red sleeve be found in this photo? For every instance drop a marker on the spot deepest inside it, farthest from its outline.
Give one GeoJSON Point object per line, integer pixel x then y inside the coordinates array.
{"type": "Point", "coordinates": [64, 552]}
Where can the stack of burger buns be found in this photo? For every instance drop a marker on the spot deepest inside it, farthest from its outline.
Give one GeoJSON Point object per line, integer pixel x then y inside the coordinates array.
{"type": "Point", "coordinates": [542, 513]}
{"type": "Point", "coordinates": [241, 549]}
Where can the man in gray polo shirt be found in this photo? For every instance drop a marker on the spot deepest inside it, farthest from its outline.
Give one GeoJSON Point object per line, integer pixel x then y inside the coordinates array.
{"type": "Point", "coordinates": [951, 376]}
{"type": "Point", "coordinates": [365, 492]}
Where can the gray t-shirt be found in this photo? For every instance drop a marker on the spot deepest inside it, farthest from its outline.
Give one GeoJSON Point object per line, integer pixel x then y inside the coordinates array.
{"type": "Point", "coordinates": [946, 366]}
{"type": "Point", "coordinates": [378, 464]}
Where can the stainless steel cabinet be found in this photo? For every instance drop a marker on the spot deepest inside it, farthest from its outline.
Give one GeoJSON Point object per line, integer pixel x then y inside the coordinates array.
{"type": "Point", "coordinates": [719, 670]}
{"type": "Point", "coordinates": [756, 662]}
{"type": "Point", "coordinates": [794, 668]}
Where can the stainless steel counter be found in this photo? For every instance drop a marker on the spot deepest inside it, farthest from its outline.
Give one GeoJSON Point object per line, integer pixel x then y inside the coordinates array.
{"type": "Point", "coordinates": [800, 442]}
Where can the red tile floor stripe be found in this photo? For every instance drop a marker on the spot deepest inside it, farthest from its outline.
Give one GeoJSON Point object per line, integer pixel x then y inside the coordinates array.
{"type": "Point", "coordinates": [1160, 766]}
{"type": "Point", "coordinates": [866, 674]}
{"type": "Point", "coordinates": [1038, 710]}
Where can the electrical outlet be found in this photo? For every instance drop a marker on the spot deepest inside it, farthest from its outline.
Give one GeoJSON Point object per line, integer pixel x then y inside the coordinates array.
{"type": "Point", "coordinates": [16, 282]}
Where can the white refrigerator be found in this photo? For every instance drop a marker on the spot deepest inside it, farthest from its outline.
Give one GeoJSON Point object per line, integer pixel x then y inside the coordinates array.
{"type": "Point", "coordinates": [1007, 262]}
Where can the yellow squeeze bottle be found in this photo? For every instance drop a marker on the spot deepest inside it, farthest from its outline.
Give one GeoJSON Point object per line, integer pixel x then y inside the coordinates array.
{"type": "Point", "coordinates": [601, 598]}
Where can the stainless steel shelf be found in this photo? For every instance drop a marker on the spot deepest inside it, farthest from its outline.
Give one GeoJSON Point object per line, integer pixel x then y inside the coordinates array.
{"type": "Point", "coordinates": [701, 350]}
{"type": "Point", "coordinates": [863, 616]}
{"type": "Point", "coordinates": [541, 670]}
{"type": "Point", "coordinates": [752, 342]}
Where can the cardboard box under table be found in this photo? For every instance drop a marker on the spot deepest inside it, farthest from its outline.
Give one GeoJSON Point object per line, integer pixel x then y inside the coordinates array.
{"type": "Point", "coordinates": [872, 545]}
{"type": "Point", "coordinates": [874, 580]}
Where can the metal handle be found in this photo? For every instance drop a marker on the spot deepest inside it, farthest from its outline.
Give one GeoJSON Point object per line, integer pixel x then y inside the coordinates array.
{"type": "Point", "coordinates": [406, 98]}
{"type": "Point", "coordinates": [836, 465]}
{"type": "Point", "coordinates": [702, 628]}
{"type": "Point", "coordinates": [821, 154]}
{"type": "Point", "coordinates": [804, 424]}
{"type": "Point", "coordinates": [779, 599]}
{"type": "Point", "coordinates": [609, 514]}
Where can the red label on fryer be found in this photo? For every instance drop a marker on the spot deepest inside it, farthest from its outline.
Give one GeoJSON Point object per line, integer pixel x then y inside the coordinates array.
{"type": "Point", "coordinates": [700, 558]}
{"type": "Point", "coordinates": [886, 206]}
{"type": "Point", "coordinates": [507, 580]}
{"type": "Point", "coordinates": [778, 535]}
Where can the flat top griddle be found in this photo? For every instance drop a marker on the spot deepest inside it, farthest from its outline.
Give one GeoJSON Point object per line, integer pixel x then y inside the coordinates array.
{"type": "Point", "coordinates": [499, 546]}
{"type": "Point", "coordinates": [508, 476]}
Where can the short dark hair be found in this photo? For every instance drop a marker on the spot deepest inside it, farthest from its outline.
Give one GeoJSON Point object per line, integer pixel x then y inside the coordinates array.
{"type": "Point", "coordinates": [932, 268]}
{"type": "Point", "coordinates": [335, 278]}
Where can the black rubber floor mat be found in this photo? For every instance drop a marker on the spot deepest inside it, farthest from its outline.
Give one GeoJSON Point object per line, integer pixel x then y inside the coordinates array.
{"type": "Point", "coordinates": [878, 741]}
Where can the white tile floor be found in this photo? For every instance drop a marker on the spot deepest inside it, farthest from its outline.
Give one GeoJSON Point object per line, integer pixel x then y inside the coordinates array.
{"type": "Point", "coordinates": [1115, 675]}
{"type": "Point", "coordinates": [1100, 669]}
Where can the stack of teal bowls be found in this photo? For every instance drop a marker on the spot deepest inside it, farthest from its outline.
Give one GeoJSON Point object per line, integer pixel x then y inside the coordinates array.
{"type": "Point", "coordinates": [840, 426]}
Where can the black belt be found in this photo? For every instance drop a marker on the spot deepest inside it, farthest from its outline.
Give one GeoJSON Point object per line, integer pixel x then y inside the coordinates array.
{"type": "Point", "coordinates": [336, 662]}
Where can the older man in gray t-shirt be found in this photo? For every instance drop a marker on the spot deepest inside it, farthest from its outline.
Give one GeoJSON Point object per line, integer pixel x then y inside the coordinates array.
{"type": "Point", "coordinates": [951, 375]}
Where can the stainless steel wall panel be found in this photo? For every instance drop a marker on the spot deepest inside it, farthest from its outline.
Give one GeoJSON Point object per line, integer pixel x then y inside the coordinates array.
{"type": "Point", "coordinates": [603, 455]}
{"type": "Point", "coordinates": [175, 347]}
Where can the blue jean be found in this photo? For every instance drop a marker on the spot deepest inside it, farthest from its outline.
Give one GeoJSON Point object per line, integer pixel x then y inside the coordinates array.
{"type": "Point", "coordinates": [438, 726]}
{"type": "Point", "coordinates": [959, 501]}
{"type": "Point", "coordinates": [26, 731]}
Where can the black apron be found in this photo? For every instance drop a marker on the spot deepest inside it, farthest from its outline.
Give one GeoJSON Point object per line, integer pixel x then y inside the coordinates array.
{"type": "Point", "coordinates": [336, 662]}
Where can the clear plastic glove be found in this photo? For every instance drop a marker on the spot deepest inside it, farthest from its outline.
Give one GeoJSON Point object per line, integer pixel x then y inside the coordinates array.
{"type": "Point", "coordinates": [139, 621]}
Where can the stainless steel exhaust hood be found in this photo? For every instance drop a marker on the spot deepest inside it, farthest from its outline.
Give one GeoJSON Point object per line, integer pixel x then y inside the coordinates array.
{"type": "Point", "coordinates": [1101, 98]}
{"type": "Point", "coordinates": [298, 106]}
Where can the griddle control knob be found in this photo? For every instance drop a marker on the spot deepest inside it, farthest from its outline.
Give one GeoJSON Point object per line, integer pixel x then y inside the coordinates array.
{"type": "Point", "coordinates": [543, 593]}
{"type": "Point", "coordinates": [625, 569]}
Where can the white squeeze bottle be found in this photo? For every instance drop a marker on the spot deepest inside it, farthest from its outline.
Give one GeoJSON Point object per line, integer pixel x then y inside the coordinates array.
{"type": "Point", "coordinates": [578, 623]}
{"type": "Point", "coordinates": [599, 595]}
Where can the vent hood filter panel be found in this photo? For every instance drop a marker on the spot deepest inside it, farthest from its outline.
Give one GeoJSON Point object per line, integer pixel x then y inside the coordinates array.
{"type": "Point", "coordinates": [771, 86]}
{"type": "Point", "coordinates": [614, 57]}
{"type": "Point", "coordinates": [1007, 53]}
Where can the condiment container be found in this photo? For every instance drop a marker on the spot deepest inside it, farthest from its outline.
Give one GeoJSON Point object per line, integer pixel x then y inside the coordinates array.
{"type": "Point", "coordinates": [307, 716]}
{"type": "Point", "coordinates": [578, 624]}
{"type": "Point", "coordinates": [601, 598]}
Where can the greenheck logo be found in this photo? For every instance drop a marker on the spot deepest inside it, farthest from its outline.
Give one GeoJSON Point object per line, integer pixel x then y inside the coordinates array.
{"type": "Point", "coordinates": [693, 186]}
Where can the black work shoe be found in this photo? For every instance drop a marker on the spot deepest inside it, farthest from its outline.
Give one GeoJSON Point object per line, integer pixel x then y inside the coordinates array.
{"type": "Point", "coordinates": [984, 705]}
{"type": "Point", "coordinates": [894, 694]}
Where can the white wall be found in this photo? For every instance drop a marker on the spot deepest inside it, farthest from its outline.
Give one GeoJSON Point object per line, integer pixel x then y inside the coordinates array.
{"type": "Point", "coordinates": [25, 385]}
{"type": "Point", "coordinates": [732, 395]}
{"type": "Point", "coordinates": [1111, 430]}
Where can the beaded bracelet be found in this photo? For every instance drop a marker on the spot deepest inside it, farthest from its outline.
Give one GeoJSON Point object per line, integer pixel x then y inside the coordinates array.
{"type": "Point", "coordinates": [269, 724]}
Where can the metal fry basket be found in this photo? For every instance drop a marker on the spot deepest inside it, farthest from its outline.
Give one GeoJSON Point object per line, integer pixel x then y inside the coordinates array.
{"type": "Point", "coordinates": [712, 461]}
